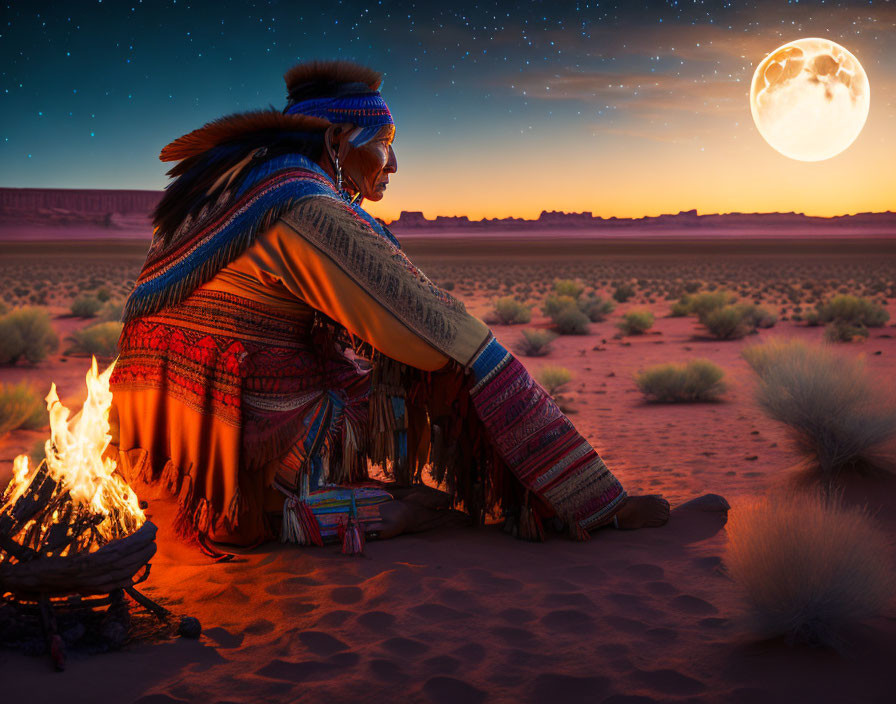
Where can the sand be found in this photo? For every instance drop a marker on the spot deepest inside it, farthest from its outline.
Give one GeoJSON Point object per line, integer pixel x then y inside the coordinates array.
{"type": "Point", "coordinates": [472, 615]}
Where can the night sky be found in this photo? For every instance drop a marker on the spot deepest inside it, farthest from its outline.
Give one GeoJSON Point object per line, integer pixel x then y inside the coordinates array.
{"type": "Point", "coordinates": [508, 108]}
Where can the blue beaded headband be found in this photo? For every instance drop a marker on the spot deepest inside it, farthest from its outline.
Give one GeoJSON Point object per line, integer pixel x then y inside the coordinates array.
{"type": "Point", "coordinates": [367, 110]}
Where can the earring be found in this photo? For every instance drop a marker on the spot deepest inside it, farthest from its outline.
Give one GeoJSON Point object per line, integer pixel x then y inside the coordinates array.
{"type": "Point", "coordinates": [338, 173]}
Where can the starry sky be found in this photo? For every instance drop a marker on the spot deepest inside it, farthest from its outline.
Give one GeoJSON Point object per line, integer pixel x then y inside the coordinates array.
{"type": "Point", "coordinates": [502, 109]}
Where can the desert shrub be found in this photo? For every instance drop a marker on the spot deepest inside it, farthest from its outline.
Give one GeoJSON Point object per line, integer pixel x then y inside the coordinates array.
{"type": "Point", "coordinates": [510, 311]}
{"type": "Point", "coordinates": [111, 311]}
{"type": "Point", "coordinates": [553, 377]}
{"type": "Point", "coordinates": [554, 304]}
{"type": "Point", "coordinates": [568, 287]}
{"type": "Point", "coordinates": [757, 316]}
{"type": "Point", "coordinates": [571, 321]}
{"type": "Point", "coordinates": [448, 285]}
{"type": "Point", "coordinates": [691, 286]}
{"type": "Point", "coordinates": [839, 416]}
{"type": "Point", "coordinates": [86, 306]}
{"type": "Point", "coordinates": [623, 292]}
{"type": "Point", "coordinates": [100, 340]}
{"type": "Point", "coordinates": [103, 294]}
{"type": "Point", "coordinates": [595, 307]}
{"type": "Point", "coordinates": [21, 407]}
{"type": "Point", "coordinates": [702, 303]}
{"type": "Point", "coordinates": [809, 566]}
{"type": "Point", "coordinates": [4, 309]}
{"type": "Point", "coordinates": [812, 319]}
{"type": "Point", "coordinates": [728, 322]}
{"type": "Point", "coordinates": [698, 380]}
{"type": "Point", "coordinates": [536, 343]}
{"type": "Point", "coordinates": [842, 331]}
{"type": "Point", "coordinates": [635, 322]}
{"type": "Point", "coordinates": [853, 310]}
{"type": "Point", "coordinates": [682, 306]}
{"type": "Point", "coordinates": [26, 333]}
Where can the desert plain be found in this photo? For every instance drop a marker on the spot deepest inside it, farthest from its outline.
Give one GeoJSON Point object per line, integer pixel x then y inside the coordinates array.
{"type": "Point", "coordinates": [469, 614]}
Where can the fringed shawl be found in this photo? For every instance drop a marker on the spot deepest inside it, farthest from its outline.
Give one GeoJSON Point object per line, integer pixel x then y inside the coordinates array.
{"type": "Point", "coordinates": [251, 196]}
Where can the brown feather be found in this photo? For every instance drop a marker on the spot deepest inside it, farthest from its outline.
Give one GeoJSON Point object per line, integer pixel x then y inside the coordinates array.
{"type": "Point", "coordinates": [237, 125]}
{"type": "Point", "coordinates": [334, 72]}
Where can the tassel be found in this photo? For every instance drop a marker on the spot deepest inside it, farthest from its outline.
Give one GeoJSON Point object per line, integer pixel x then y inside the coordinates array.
{"type": "Point", "coordinates": [351, 533]}
{"type": "Point", "coordinates": [530, 527]}
{"type": "Point", "coordinates": [576, 532]}
{"type": "Point", "coordinates": [299, 524]}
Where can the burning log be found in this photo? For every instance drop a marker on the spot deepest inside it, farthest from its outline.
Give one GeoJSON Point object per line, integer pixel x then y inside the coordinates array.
{"type": "Point", "coordinates": [72, 527]}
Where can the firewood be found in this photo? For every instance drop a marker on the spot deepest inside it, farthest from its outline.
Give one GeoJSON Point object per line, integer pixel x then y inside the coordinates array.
{"type": "Point", "coordinates": [111, 567]}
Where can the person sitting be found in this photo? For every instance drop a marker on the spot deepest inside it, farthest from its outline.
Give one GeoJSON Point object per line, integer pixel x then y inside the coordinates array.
{"type": "Point", "coordinates": [279, 343]}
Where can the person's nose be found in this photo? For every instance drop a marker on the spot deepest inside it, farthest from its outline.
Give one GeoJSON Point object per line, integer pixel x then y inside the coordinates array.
{"type": "Point", "coordinates": [392, 164]}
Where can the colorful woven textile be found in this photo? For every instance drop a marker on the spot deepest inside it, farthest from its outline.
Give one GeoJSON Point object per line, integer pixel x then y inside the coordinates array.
{"type": "Point", "coordinates": [540, 444]}
{"type": "Point", "coordinates": [218, 234]}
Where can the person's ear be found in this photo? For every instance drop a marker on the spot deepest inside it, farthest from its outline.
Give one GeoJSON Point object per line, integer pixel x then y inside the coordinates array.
{"type": "Point", "coordinates": [336, 140]}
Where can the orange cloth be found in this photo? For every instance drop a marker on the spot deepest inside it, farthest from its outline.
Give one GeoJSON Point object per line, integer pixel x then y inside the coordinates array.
{"type": "Point", "coordinates": [281, 267]}
{"type": "Point", "coordinates": [195, 451]}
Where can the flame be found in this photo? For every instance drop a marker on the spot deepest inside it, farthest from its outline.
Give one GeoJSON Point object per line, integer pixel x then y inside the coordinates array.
{"type": "Point", "coordinates": [74, 459]}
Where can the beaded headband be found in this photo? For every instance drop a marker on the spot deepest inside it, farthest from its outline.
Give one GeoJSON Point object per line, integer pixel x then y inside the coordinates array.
{"type": "Point", "coordinates": [367, 110]}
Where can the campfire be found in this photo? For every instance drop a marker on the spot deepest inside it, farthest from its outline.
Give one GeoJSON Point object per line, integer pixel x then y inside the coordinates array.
{"type": "Point", "coordinates": [72, 532]}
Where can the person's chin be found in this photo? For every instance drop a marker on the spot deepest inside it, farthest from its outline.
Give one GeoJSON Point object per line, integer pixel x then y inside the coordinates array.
{"type": "Point", "coordinates": [377, 194]}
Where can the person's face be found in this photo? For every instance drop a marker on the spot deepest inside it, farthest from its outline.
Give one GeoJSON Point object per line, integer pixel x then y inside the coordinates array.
{"type": "Point", "coordinates": [367, 168]}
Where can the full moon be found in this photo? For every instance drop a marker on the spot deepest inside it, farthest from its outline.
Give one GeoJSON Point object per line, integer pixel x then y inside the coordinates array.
{"type": "Point", "coordinates": [810, 99]}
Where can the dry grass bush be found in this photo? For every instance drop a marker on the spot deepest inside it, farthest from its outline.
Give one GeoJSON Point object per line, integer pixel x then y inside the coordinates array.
{"type": "Point", "coordinates": [26, 333]}
{"type": "Point", "coordinates": [571, 321]}
{"type": "Point", "coordinates": [809, 567]}
{"type": "Point", "coordinates": [727, 323]}
{"type": "Point", "coordinates": [841, 331]}
{"type": "Point", "coordinates": [636, 322]}
{"type": "Point", "coordinates": [568, 287]}
{"type": "Point", "coordinates": [702, 303]}
{"type": "Point", "coordinates": [854, 311]}
{"type": "Point", "coordinates": [21, 407]}
{"type": "Point", "coordinates": [552, 377]}
{"type": "Point", "coordinates": [536, 343]}
{"type": "Point", "coordinates": [698, 380]}
{"type": "Point", "coordinates": [100, 340]}
{"type": "Point", "coordinates": [623, 292]}
{"type": "Point", "coordinates": [839, 416]}
{"type": "Point", "coordinates": [554, 304]}
{"type": "Point", "coordinates": [596, 307]}
{"type": "Point", "coordinates": [510, 311]}
{"type": "Point", "coordinates": [111, 311]}
{"type": "Point", "coordinates": [86, 306]}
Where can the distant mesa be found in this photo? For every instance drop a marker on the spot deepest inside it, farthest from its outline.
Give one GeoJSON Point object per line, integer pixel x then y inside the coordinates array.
{"type": "Point", "coordinates": [410, 220]}
{"type": "Point", "coordinates": [27, 213]}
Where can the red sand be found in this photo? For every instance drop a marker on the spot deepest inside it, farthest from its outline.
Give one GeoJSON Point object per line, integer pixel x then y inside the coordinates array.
{"type": "Point", "coordinates": [465, 615]}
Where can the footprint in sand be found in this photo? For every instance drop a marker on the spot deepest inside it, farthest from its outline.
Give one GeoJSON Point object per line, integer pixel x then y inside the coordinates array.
{"type": "Point", "coordinates": [442, 664]}
{"type": "Point", "coordinates": [377, 620]}
{"type": "Point", "coordinates": [550, 688]}
{"type": "Point", "coordinates": [513, 636]}
{"type": "Point", "coordinates": [447, 690]}
{"type": "Point", "coordinates": [571, 599]}
{"type": "Point", "coordinates": [669, 682]}
{"type": "Point", "coordinates": [347, 595]}
{"type": "Point", "coordinates": [321, 643]}
{"type": "Point", "coordinates": [569, 621]}
{"type": "Point", "coordinates": [661, 588]}
{"type": "Point", "coordinates": [387, 671]}
{"type": "Point", "coordinates": [514, 615]}
{"type": "Point", "coordinates": [292, 585]}
{"type": "Point", "coordinates": [334, 618]}
{"type": "Point", "coordinates": [437, 612]}
{"type": "Point", "coordinates": [404, 646]}
{"type": "Point", "coordinates": [693, 605]}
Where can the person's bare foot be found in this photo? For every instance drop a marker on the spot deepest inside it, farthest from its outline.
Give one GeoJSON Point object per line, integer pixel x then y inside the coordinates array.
{"type": "Point", "coordinates": [649, 511]}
